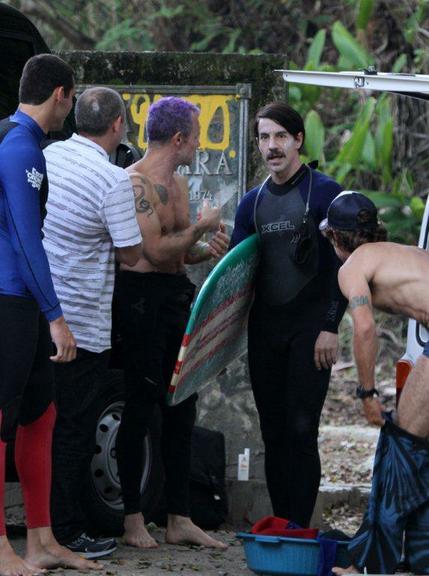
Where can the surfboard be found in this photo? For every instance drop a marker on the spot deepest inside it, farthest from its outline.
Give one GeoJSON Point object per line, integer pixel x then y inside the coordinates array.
{"type": "Point", "coordinates": [413, 85]}
{"type": "Point", "coordinates": [216, 333]}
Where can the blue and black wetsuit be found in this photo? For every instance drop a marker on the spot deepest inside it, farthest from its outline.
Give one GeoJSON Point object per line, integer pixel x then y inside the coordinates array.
{"type": "Point", "coordinates": [294, 302]}
{"type": "Point", "coordinates": [27, 296]}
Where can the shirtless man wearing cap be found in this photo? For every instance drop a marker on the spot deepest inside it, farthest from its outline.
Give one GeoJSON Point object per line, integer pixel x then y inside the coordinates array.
{"type": "Point", "coordinates": [393, 278]}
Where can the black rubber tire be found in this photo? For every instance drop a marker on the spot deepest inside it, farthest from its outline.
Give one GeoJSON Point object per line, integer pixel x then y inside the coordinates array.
{"type": "Point", "coordinates": [101, 497]}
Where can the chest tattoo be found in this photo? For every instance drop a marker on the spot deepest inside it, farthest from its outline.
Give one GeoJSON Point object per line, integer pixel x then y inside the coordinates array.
{"type": "Point", "coordinates": [162, 193]}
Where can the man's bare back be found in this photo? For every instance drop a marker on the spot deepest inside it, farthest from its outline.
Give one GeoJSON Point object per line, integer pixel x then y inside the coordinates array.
{"type": "Point", "coordinates": [397, 277]}
{"type": "Point", "coordinates": [391, 277]}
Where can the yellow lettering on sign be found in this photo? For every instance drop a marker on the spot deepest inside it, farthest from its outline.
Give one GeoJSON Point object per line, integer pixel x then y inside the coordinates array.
{"type": "Point", "coordinates": [214, 117]}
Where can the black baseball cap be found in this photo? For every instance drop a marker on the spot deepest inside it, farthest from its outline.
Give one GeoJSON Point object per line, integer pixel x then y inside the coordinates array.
{"type": "Point", "coordinates": [351, 211]}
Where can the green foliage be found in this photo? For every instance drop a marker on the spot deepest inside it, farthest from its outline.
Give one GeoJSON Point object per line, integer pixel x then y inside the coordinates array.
{"type": "Point", "coordinates": [314, 136]}
{"type": "Point", "coordinates": [121, 34]}
{"type": "Point", "coordinates": [352, 54]}
{"type": "Point", "coordinates": [315, 51]}
{"type": "Point", "coordinates": [311, 94]}
{"type": "Point", "coordinates": [352, 136]}
{"type": "Point", "coordinates": [399, 63]}
{"type": "Point", "coordinates": [366, 8]}
{"type": "Point", "coordinates": [400, 209]}
{"type": "Point", "coordinates": [414, 21]}
{"type": "Point", "coordinates": [361, 148]}
{"type": "Point", "coordinates": [350, 156]}
{"type": "Point", "coordinates": [384, 139]}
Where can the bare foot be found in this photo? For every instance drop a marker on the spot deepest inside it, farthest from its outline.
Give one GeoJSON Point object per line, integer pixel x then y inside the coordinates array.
{"type": "Point", "coordinates": [12, 565]}
{"type": "Point", "coordinates": [349, 570]}
{"type": "Point", "coordinates": [44, 551]}
{"type": "Point", "coordinates": [181, 530]}
{"type": "Point", "coordinates": [136, 533]}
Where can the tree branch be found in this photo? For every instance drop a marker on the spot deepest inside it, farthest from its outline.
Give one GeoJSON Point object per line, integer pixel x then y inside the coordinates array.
{"type": "Point", "coordinates": [59, 23]}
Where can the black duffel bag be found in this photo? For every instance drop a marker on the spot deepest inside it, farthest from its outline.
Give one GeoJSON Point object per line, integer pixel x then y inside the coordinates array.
{"type": "Point", "coordinates": [208, 501]}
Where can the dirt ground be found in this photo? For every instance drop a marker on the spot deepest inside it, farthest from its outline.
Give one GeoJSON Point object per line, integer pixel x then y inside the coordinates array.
{"type": "Point", "coordinates": [168, 560]}
{"type": "Point", "coordinates": [347, 446]}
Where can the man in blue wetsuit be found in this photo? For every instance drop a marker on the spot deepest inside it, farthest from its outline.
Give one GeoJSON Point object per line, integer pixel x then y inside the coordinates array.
{"type": "Point", "coordinates": [30, 314]}
{"type": "Point", "coordinates": [297, 308]}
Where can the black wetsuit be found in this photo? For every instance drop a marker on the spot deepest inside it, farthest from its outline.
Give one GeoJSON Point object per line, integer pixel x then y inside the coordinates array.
{"type": "Point", "coordinates": [153, 312]}
{"type": "Point", "coordinates": [293, 304]}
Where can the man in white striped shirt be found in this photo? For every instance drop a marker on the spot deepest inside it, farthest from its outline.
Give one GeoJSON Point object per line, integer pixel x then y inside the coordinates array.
{"type": "Point", "coordinates": [91, 213]}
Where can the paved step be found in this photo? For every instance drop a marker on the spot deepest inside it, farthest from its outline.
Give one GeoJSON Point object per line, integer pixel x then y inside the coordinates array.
{"type": "Point", "coordinates": [341, 447]}
{"type": "Point", "coordinates": [249, 501]}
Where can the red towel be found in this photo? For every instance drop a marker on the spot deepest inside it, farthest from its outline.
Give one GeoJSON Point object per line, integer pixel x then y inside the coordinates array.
{"type": "Point", "coordinates": [274, 526]}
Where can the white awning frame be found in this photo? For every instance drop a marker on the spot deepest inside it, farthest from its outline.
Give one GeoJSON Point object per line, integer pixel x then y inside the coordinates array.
{"type": "Point", "coordinates": [412, 85]}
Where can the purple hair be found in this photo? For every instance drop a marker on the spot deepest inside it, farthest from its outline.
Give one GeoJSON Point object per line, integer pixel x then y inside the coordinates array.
{"type": "Point", "coordinates": [168, 116]}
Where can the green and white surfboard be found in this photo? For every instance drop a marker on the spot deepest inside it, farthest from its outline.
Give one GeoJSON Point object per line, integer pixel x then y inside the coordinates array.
{"type": "Point", "coordinates": [216, 333]}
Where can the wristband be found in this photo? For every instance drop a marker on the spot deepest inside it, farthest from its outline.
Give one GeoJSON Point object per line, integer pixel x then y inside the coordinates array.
{"type": "Point", "coordinates": [363, 393]}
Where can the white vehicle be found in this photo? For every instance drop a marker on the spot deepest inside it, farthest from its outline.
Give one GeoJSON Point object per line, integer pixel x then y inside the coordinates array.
{"type": "Point", "coordinates": [413, 86]}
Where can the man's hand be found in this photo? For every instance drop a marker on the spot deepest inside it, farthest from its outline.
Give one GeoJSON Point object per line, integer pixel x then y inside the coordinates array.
{"type": "Point", "coordinates": [210, 216]}
{"type": "Point", "coordinates": [63, 340]}
{"type": "Point", "coordinates": [218, 245]}
{"type": "Point", "coordinates": [326, 350]}
{"type": "Point", "coordinates": [373, 411]}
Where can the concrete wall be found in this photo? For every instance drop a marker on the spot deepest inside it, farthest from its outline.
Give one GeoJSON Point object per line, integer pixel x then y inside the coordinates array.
{"type": "Point", "coordinates": [187, 69]}
{"type": "Point", "coordinates": [228, 404]}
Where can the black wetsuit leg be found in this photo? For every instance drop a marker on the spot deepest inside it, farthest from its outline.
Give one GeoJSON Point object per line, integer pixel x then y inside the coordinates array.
{"type": "Point", "coordinates": [78, 386]}
{"type": "Point", "coordinates": [289, 393]}
{"type": "Point", "coordinates": [153, 311]}
{"type": "Point", "coordinates": [26, 373]}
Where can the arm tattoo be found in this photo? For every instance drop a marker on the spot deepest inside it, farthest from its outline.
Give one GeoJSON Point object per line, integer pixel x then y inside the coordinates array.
{"type": "Point", "coordinates": [198, 250]}
{"type": "Point", "coordinates": [142, 205]}
{"type": "Point", "coordinates": [162, 193]}
{"type": "Point", "coordinates": [359, 301]}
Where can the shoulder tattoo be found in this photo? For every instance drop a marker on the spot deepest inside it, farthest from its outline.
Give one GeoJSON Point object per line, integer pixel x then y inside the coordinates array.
{"type": "Point", "coordinates": [357, 301]}
{"type": "Point", "coordinates": [162, 193]}
{"type": "Point", "coordinates": [142, 204]}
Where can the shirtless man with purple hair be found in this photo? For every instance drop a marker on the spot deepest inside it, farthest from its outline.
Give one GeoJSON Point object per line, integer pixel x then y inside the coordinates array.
{"type": "Point", "coordinates": [154, 299]}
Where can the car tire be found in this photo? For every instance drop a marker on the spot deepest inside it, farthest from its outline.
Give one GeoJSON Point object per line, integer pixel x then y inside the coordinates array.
{"type": "Point", "coordinates": [102, 496]}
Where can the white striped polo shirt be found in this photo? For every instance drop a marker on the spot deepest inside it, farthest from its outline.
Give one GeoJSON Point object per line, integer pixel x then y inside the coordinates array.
{"type": "Point", "coordinates": [90, 210]}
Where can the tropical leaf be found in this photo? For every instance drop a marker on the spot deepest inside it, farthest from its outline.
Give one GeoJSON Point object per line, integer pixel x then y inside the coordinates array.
{"type": "Point", "coordinates": [349, 48]}
{"type": "Point", "coordinates": [386, 151]}
{"type": "Point", "coordinates": [417, 207]}
{"type": "Point", "coordinates": [351, 153]}
{"type": "Point", "coordinates": [314, 136]}
{"type": "Point", "coordinates": [315, 50]}
{"type": "Point", "coordinates": [399, 63]}
{"type": "Point", "coordinates": [384, 199]}
{"type": "Point", "coordinates": [368, 153]}
{"type": "Point", "coordinates": [366, 8]}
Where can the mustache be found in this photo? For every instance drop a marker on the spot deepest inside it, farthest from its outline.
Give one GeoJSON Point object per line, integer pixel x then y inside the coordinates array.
{"type": "Point", "coordinates": [275, 154]}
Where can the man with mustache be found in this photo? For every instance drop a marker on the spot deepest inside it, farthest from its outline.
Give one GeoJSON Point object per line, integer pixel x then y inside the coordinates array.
{"type": "Point", "coordinates": [293, 322]}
